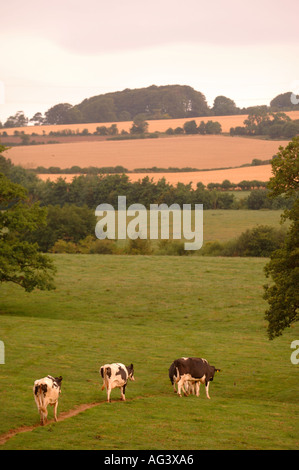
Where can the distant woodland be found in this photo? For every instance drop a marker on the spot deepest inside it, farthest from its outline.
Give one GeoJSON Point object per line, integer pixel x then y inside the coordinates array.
{"type": "Point", "coordinates": [154, 102]}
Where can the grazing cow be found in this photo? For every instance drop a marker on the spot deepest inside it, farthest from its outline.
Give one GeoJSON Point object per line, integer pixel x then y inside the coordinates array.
{"type": "Point", "coordinates": [116, 376]}
{"type": "Point", "coordinates": [193, 370]}
{"type": "Point", "coordinates": [188, 386]}
{"type": "Point", "coordinates": [46, 392]}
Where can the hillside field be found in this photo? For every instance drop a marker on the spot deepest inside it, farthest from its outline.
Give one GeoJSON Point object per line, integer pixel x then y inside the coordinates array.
{"type": "Point", "coordinates": [235, 175]}
{"type": "Point", "coordinates": [202, 152]}
{"type": "Point", "coordinates": [160, 125]}
{"type": "Point", "coordinates": [148, 310]}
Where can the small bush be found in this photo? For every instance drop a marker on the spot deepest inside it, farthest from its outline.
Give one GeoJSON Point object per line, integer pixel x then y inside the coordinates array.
{"type": "Point", "coordinates": [63, 246]}
{"type": "Point", "coordinates": [139, 247]}
{"type": "Point", "coordinates": [260, 241]}
{"type": "Point", "coordinates": [103, 247]}
{"type": "Point", "coordinates": [172, 248]}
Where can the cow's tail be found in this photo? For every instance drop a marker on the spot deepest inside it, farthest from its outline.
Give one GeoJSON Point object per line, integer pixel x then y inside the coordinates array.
{"type": "Point", "coordinates": [39, 393]}
{"type": "Point", "coordinates": [176, 373]}
{"type": "Point", "coordinates": [104, 371]}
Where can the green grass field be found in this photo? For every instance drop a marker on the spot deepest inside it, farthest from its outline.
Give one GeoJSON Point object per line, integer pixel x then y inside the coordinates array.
{"type": "Point", "coordinates": [223, 225]}
{"type": "Point", "coordinates": [148, 310]}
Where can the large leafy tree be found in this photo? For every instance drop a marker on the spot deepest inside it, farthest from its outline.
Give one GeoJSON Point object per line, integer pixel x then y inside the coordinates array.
{"type": "Point", "coordinates": [21, 261]}
{"type": "Point", "coordinates": [283, 294]}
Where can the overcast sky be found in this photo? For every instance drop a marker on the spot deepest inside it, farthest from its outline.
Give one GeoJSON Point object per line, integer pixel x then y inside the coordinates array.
{"type": "Point", "coordinates": [65, 51]}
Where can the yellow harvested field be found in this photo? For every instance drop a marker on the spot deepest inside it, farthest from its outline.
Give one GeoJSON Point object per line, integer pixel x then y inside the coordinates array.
{"type": "Point", "coordinates": [202, 152]}
{"type": "Point", "coordinates": [157, 125]}
{"type": "Point", "coordinates": [235, 175]}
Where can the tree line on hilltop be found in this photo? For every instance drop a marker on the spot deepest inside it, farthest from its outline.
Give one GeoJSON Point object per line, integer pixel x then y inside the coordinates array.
{"type": "Point", "coordinates": [154, 102]}
{"type": "Point", "coordinates": [263, 122]}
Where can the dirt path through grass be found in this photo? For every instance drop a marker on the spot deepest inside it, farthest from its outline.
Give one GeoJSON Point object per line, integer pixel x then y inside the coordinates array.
{"type": "Point", "coordinates": [62, 416]}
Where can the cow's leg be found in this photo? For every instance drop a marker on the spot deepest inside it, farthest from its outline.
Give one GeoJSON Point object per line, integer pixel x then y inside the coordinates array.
{"type": "Point", "coordinates": [207, 390]}
{"type": "Point", "coordinates": [55, 411]}
{"type": "Point", "coordinates": [191, 387]}
{"type": "Point", "coordinates": [108, 394]}
{"type": "Point", "coordinates": [123, 391]}
{"type": "Point", "coordinates": [43, 416]}
{"type": "Point", "coordinates": [197, 386]}
{"type": "Point", "coordinates": [181, 386]}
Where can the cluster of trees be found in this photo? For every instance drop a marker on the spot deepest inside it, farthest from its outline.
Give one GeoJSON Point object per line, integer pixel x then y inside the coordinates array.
{"type": "Point", "coordinates": [285, 102]}
{"type": "Point", "coordinates": [190, 127]}
{"type": "Point", "coordinates": [155, 102]}
{"type": "Point", "coordinates": [282, 294]}
{"type": "Point", "coordinates": [262, 122]}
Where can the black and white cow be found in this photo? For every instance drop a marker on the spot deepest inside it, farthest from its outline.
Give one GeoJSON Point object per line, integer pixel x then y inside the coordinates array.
{"type": "Point", "coordinates": [189, 387]}
{"type": "Point", "coordinates": [46, 392]}
{"type": "Point", "coordinates": [116, 375]}
{"type": "Point", "coordinates": [192, 371]}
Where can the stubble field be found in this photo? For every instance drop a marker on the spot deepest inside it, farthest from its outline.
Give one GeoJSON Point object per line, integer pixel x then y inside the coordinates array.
{"type": "Point", "coordinates": [202, 152]}
{"type": "Point", "coordinates": [234, 175]}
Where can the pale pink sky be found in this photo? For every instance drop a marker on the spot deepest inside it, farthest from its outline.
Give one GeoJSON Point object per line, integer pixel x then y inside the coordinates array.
{"type": "Point", "coordinates": [54, 52]}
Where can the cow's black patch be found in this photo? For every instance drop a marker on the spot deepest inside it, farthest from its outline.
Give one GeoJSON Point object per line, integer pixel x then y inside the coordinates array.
{"type": "Point", "coordinates": [44, 389]}
{"type": "Point", "coordinates": [108, 372]}
{"type": "Point", "coordinates": [196, 367]}
{"type": "Point", "coordinates": [36, 389]}
{"type": "Point", "coordinates": [122, 373]}
{"type": "Point", "coordinates": [58, 381]}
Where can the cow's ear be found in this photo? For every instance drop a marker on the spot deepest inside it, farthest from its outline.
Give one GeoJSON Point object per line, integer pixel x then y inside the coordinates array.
{"type": "Point", "coordinates": [218, 370]}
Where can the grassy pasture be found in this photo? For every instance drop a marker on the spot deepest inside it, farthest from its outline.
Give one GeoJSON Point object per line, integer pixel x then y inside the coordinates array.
{"type": "Point", "coordinates": [149, 311]}
{"type": "Point", "coordinates": [224, 225]}
{"type": "Point", "coordinates": [221, 225]}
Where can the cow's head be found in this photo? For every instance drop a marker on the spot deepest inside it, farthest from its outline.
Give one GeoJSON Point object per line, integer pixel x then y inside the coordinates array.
{"type": "Point", "coordinates": [212, 371]}
{"type": "Point", "coordinates": [130, 370]}
{"type": "Point", "coordinates": [58, 380]}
